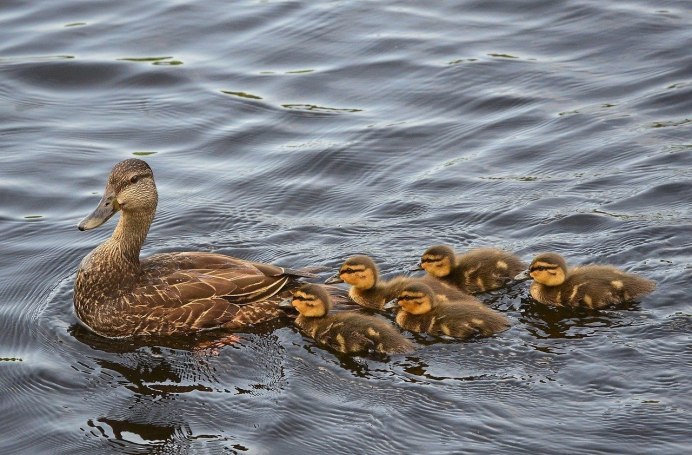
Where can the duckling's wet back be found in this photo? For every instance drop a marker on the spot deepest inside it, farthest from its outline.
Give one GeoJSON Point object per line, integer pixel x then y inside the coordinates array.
{"type": "Point", "coordinates": [293, 135]}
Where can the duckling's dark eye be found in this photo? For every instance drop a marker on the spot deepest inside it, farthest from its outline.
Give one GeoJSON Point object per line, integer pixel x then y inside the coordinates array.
{"type": "Point", "coordinates": [134, 179]}
{"type": "Point", "coordinates": [349, 271]}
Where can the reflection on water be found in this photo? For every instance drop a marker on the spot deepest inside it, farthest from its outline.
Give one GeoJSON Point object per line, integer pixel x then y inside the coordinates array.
{"type": "Point", "coordinates": [301, 133]}
{"type": "Point", "coordinates": [544, 321]}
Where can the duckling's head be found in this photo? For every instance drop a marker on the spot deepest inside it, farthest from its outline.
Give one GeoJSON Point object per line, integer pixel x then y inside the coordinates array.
{"type": "Point", "coordinates": [130, 188]}
{"type": "Point", "coordinates": [438, 260]}
{"type": "Point", "coordinates": [416, 298]}
{"type": "Point", "coordinates": [311, 300]}
{"type": "Point", "coordinates": [548, 269]}
{"type": "Point", "coordinates": [358, 271]}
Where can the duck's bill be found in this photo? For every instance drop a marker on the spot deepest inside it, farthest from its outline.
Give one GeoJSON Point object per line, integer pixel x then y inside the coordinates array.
{"type": "Point", "coordinates": [391, 304]}
{"type": "Point", "coordinates": [523, 276]}
{"type": "Point", "coordinates": [104, 211]}
{"type": "Point", "coordinates": [334, 279]}
{"type": "Point", "coordinates": [416, 268]}
{"type": "Point", "coordinates": [286, 303]}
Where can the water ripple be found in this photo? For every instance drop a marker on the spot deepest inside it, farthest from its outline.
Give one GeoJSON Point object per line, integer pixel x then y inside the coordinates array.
{"type": "Point", "coordinates": [303, 132]}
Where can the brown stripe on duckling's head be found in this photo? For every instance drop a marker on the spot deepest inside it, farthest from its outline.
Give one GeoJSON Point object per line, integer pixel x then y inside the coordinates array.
{"type": "Point", "coordinates": [548, 269]}
{"type": "Point", "coordinates": [438, 260]}
{"type": "Point", "coordinates": [416, 298]}
{"type": "Point", "coordinates": [359, 271]}
{"type": "Point", "coordinates": [311, 300]}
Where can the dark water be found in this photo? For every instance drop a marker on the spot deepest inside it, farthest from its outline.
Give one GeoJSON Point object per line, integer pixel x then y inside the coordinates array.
{"type": "Point", "coordinates": [302, 132]}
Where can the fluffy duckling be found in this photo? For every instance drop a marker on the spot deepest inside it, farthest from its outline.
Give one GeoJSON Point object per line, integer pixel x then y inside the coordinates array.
{"type": "Point", "coordinates": [423, 312]}
{"type": "Point", "coordinates": [590, 286]}
{"type": "Point", "coordinates": [347, 331]}
{"type": "Point", "coordinates": [479, 270]}
{"type": "Point", "coordinates": [369, 291]}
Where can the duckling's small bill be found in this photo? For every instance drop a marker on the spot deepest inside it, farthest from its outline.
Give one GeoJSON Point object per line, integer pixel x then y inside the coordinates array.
{"type": "Point", "coordinates": [523, 276]}
{"type": "Point", "coordinates": [334, 279]}
{"type": "Point", "coordinates": [391, 304]}
{"type": "Point", "coordinates": [286, 303]}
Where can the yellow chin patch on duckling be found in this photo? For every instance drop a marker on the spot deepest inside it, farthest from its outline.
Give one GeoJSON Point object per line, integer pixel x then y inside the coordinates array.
{"type": "Point", "coordinates": [414, 303]}
{"type": "Point", "coordinates": [308, 305]}
{"type": "Point", "coordinates": [360, 277]}
{"type": "Point", "coordinates": [437, 266]}
{"type": "Point", "coordinates": [547, 274]}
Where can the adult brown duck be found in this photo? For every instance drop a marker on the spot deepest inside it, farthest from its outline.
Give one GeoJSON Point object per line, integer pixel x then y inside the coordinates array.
{"type": "Point", "coordinates": [118, 294]}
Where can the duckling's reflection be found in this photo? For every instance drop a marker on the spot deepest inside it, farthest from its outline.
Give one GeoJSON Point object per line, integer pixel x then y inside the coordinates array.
{"type": "Point", "coordinates": [543, 321]}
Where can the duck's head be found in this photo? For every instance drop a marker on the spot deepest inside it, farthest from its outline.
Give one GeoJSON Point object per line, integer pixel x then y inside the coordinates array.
{"type": "Point", "coordinates": [130, 188]}
{"type": "Point", "coordinates": [548, 269]}
{"type": "Point", "coordinates": [416, 298]}
{"type": "Point", "coordinates": [311, 300]}
{"type": "Point", "coordinates": [437, 260]}
{"type": "Point", "coordinates": [358, 271]}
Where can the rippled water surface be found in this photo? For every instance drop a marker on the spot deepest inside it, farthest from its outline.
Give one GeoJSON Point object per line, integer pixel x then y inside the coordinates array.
{"type": "Point", "coordinates": [300, 133]}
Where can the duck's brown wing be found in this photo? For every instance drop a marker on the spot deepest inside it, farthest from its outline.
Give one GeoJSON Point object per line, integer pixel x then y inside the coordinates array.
{"type": "Point", "coordinates": [182, 277]}
{"type": "Point", "coordinates": [187, 292]}
{"type": "Point", "coordinates": [169, 262]}
{"type": "Point", "coordinates": [179, 288]}
{"type": "Point", "coordinates": [201, 314]}
{"type": "Point", "coordinates": [165, 263]}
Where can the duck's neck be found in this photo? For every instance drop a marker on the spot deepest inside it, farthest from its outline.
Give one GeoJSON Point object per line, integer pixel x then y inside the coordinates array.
{"type": "Point", "coordinates": [119, 254]}
{"type": "Point", "coordinates": [128, 236]}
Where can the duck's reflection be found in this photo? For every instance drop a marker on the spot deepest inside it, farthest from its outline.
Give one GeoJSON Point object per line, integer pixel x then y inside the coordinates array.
{"type": "Point", "coordinates": [143, 389]}
{"type": "Point", "coordinates": [141, 433]}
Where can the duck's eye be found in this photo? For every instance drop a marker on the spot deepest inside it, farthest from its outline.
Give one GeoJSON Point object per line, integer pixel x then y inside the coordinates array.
{"type": "Point", "coordinates": [134, 179]}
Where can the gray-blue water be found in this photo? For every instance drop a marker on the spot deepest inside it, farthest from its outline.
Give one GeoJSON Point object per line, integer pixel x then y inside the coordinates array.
{"type": "Point", "coordinates": [300, 133]}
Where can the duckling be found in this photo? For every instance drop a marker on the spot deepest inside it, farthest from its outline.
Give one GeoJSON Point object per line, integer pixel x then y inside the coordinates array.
{"type": "Point", "coordinates": [590, 286]}
{"type": "Point", "coordinates": [346, 331]}
{"type": "Point", "coordinates": [423, 312]}
{"type": "Point", "coordinates": [479, 270]}
{"type": "Point", "coordinates": [368, 291]}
